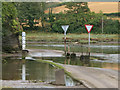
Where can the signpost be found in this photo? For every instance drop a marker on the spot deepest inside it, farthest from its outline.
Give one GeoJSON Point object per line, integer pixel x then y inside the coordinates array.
{"type": "Point", "coordinates": [65, 28]}
{"type": "Point", "coordinates": [89, 28]}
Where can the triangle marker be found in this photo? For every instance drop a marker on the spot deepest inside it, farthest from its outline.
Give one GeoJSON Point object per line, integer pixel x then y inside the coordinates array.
{"type": "Point", "coordinates": [88, 28]}
{"type": "Point", "coordinates": [65, 28]}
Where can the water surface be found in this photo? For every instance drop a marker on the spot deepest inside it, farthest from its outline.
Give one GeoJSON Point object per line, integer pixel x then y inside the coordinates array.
{"type": "Point", "coordinates": [31, 70]}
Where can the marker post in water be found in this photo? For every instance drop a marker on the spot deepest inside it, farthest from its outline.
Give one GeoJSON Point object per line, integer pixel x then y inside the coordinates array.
{"type": "Point", "coordinates": [23, 45]}
{"type": "Point", "coordinates": [65, 28]}
{"type": "Point", "coordinates": [89, 28]}
{"type": "Point", "coordinates": [23, 40]}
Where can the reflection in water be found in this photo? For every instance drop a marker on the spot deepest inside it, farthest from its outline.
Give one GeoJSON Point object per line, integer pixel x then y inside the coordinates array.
{"type": "Point", "coordinates": [30, 70]}
{"type": "Point", "coordinates": [23, 72]}
{"type": "Point", "coordinates": [67, 61]}
{"type": "Point", "coordinates": [15, 69]}
{"type": "Point", "coordinates": [88, 63]}
{"type": "Point", "coordinates": [108, 49]}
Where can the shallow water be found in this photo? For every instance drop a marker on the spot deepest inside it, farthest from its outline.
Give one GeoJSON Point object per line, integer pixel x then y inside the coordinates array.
{"type": "Point", "coordinates": [18, 69]}
{"type": "Point", "coordinates": [103, 56]}
{"type": "Point", "coordinates": [27, 70]}
{"type": "Point", "coordinates": [107, 49]}
{"type": "Point", "coordinates": [88, 63]}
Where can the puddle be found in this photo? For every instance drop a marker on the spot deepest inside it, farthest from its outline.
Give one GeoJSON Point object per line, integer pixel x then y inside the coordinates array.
{"type": "Point", "coordinates": [30, 70]}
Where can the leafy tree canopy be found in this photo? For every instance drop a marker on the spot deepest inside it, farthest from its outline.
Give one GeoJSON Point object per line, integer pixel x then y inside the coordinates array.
{"type": "Point", "coordinates": [9, 18]}
{"type": "Point", "coordinates": [29, 11]}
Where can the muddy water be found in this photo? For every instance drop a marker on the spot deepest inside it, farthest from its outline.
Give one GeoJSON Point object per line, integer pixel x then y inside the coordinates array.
{"type": "Point", "coordinates": [107, 49]}
{"type": "Point", "coordinates": [78, 62]}
{"type": "Point", "coordinates": [17, 69]}
{"type": "Point", "coordinates": [102, 56]}
{"type": "Point", "coordinates": [14, 68]}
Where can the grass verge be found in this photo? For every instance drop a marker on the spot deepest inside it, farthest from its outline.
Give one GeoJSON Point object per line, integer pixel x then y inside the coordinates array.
{"type": "Point", "coordinates": [57, 65]}
{"type": "Point", "coordinates": [61, 67]}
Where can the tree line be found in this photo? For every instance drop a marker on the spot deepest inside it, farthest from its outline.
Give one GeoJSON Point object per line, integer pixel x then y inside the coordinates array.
{"type": "Point", "coordinates": [22, 16]}
{"type": "Point", "coordinates": [27, 15]}
{"type": "Point", "coordinates": [77, 16]}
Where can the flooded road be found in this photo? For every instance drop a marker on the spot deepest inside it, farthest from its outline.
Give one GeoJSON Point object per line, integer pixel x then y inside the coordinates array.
{"type": "Point", "coordinates": [103, 56]}
{"type": "Point", "coordinates": [15, 69]}
{"type": "Point", "coordinates": [31, 71]}
{"type": "Point", "coordinates": [106, 49]}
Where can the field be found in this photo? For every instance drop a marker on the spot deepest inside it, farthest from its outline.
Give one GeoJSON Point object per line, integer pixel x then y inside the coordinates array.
{"type": "Point", "coordinates": [105, 7]}
{"type": "Point", "coordinates": [37, 36]}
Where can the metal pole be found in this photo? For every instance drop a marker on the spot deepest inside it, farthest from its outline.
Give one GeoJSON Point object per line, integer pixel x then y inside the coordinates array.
{"type": "Point", "coordinates": [89, 44]}
{"type": "Point", "coordinates": [89, 39]}
{"type": "Point", "coordinates": [65, 44]}
{"type": "Point", "coordinates": [102, 33]}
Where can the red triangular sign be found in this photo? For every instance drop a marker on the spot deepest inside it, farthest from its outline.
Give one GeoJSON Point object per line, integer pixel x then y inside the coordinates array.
{"type": "Point", "coordinates": [88, 28]}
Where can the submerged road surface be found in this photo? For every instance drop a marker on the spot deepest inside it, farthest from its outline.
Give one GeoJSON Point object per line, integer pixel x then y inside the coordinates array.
{"type": "Point", "coordinates": [90, 76]}
{"type": "Point", "coordinates": [94, 77]}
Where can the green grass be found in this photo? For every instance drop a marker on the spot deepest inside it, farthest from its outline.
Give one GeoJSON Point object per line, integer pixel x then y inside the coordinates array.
{"type": "Point", "coordinates": [57, 65]}
{"type": "Point", "coordinates": [61, 67]}
{"type": "Point", "coordinates": [81, 38]}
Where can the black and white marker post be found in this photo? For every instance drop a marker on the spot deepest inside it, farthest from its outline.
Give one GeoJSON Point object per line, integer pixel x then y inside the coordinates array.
{"type": "Point", "coordinates": [23, 40]}
{"type": "Point", "coordinates": [65, 28]}
{"type": "Point", "coordinates": [89, 28]}
{"type": "Point", "coordinates": [24, 52]}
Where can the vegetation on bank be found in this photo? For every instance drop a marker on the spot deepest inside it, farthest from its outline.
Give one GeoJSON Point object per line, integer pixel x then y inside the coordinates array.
{"type": "Point", "coordinates": [31, 16]}
{"type": "Point", "coordinates": [59, 66]}
{"type": "Point", "coordinates": [112, 14]}
{"type": "Point", "coordinates": [36, 36]}
{"type": "Point", "coordinates": [77, 15]}
{"type": "Point", "coordinates": [10, 28]}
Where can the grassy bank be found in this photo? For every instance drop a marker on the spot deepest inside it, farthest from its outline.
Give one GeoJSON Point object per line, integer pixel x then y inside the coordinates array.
{"type": "Point", "coordinates": [80, 38]}
{"type": "Point", "coordinates": [52, 63]}
{"type": "Point", "coordinates": [61, 67]}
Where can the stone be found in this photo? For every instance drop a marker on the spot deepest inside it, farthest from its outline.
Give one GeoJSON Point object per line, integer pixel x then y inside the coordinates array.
{"type": "Point", "coordinates": [59, 77]}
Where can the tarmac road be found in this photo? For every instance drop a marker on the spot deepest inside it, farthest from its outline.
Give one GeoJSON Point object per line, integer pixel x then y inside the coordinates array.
{"type": "Point", "coordinates": [94, 77]}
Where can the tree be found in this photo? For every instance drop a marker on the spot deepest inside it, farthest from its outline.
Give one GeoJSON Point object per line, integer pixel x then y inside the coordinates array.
{"type": "Point", "coordinates": [10, 27]}
{"type": "Point", "coordinates": [77, 7]}
{"type": "Point", "coordinates": [30, 11]}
